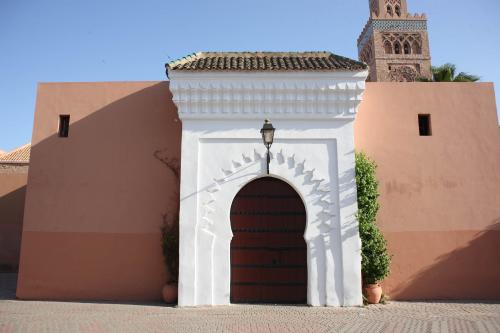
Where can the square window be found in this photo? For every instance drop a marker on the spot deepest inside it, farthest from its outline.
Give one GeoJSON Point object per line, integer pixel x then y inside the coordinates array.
{"type": "Point", "coordinates": [424, 124]}
{"type": "Point", "coordinates": [63, 126]}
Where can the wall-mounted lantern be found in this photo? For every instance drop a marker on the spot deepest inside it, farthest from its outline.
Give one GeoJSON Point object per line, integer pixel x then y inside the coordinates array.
{"type": "Point", "coordinates": [267, 132]}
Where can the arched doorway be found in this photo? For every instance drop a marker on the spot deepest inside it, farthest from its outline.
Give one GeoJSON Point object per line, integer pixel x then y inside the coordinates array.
{"type": "Point", "coordinates": [268, 251]}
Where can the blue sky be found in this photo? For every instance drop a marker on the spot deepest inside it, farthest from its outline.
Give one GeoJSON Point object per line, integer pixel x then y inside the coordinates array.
{"type": "Point", "coordinates": [97, 40]}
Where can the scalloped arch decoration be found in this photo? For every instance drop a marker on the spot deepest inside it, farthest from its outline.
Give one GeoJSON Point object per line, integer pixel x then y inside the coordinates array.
{"type": "Point", "coordinates": [325, 184]}
{"type": "Point", "coordinates": [322, 225]}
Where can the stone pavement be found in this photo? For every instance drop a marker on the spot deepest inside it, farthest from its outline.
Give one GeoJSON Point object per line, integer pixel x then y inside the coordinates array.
{"type": "Point", "coordinates": [37, 316]}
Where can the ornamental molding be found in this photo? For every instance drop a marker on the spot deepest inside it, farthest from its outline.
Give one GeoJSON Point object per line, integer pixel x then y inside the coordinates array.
{"type": "Point", "coordinates": [390, 25]}
{"type": "Point", "coordinates": [317, 192]}
{"type": "Point", "coordinates": [258, 95]}
{"type": "Point", "coordinates": [403, 74]}
{"type": "Point", "coordinates": [399, 25]}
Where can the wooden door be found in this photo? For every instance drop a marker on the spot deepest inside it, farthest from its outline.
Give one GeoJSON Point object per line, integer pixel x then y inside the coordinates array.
{"type": "Point", "coordinates": [268, 251]}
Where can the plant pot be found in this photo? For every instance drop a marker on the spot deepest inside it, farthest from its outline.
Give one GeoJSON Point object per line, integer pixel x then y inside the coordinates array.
{"type": "Point", "coordinates": [373, 293]}
{"type": "Point", "coordinates": [169, 292]}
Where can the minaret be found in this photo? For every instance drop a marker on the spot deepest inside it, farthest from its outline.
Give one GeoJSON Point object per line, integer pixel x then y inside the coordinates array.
{"type": "Point", "coordinates": [394, 43]}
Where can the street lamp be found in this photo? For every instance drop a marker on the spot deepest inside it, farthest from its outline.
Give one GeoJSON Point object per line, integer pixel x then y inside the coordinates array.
{"type": "Point", "coordinates": [267, 132]}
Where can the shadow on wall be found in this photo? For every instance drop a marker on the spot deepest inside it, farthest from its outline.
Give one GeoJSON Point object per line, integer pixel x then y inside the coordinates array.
{"type": "Point", "coordinates": [11, 228]}
{"type": "Point", "coordinates": [96, 199]}
{"type": "Point", "coordinates": [471, 272]}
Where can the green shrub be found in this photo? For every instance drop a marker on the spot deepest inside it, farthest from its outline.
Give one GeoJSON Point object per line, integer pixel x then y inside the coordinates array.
{"type": "Point", "coordinates": [170, 227]}
{"type": "Point", "coordinates": [170, 245]}
{"type": "Point", "coordinates": [375, 260]}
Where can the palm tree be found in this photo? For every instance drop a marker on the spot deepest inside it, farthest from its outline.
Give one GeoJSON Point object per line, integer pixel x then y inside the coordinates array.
{"type": "Point", "coordinates": [446, 73]}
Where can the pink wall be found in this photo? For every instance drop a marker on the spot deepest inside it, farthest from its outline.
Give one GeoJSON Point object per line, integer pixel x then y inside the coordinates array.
{"type": "Point", "coordinates": [12, 192]}
{"type": "Point", "coordinates": [95, 200]}
{"type": "Point", "coordinates": [440, 197]}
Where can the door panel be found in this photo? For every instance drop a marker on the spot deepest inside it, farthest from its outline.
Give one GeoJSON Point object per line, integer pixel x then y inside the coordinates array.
{"type": "Point", "coordinates": [268, 251]}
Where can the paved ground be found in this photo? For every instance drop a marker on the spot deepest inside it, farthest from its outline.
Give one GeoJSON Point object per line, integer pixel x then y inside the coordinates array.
{"type": "Point", "coordinates": [34, 316]}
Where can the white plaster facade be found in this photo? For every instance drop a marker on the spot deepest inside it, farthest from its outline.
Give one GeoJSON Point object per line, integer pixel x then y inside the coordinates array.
{"type": "Point", "coordinates": [313, 151]}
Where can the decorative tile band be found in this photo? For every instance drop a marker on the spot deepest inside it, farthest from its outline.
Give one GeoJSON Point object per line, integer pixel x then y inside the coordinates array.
{"type": "Point", "coordinates": [365, 38]}
{"type": "Point", "coordinates": [390, 25]}
{"type": "Point", "coordinates": [399, 25]}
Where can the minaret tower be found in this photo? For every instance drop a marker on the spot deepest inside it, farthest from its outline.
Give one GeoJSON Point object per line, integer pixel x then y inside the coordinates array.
{"type": "Point", "coordinates": [395, 43]}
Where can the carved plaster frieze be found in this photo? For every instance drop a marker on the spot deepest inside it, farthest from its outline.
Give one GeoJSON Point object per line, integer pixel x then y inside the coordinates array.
{"type": "Point", "coordinates": [318, 191]}
{"type": "Point", "coordinates": [274, 95]}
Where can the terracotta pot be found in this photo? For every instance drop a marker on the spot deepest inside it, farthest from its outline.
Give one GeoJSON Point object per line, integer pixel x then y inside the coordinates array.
{"type": "Point", "coordinates": [169, 293]}
{"type": "Point", "coordinates": [373, 293]}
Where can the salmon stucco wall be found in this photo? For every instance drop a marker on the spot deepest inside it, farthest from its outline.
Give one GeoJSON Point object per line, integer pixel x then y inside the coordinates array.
{"type": "Point", "coordinates": [440, 197]}
{"type": "Point", "coordinates": [97, 199]}
{"type": "Point", "coordinates": [13, 180]}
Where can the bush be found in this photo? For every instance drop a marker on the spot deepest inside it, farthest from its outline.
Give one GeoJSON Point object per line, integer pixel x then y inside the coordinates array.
{"type": "Point", "coordinates": [170, 245]}
{"type": "Point", "coordinates": [375, 260]}
{"type": "Point", "coordinates": [170, 227]}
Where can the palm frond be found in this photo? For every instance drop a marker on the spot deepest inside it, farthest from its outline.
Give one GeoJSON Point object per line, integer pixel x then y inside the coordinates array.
{"type": "Point", "coordinates": [444, 73]}
{"type": "Point", "coordinates": [465, 77]}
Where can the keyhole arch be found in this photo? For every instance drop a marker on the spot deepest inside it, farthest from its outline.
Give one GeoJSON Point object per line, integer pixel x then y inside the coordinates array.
{"type": "Point", "coordinates": [268, 249]}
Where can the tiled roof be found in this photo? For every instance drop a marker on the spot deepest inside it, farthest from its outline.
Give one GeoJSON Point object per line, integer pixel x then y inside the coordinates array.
{"type": "Point", "coordinates": [265, 61]}
{"type": "Point", "coordinates": [19, 155]}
